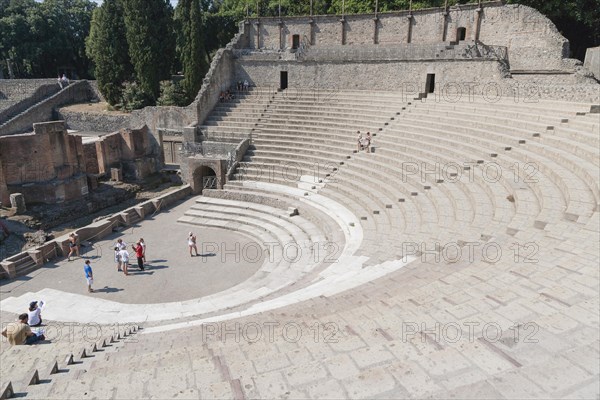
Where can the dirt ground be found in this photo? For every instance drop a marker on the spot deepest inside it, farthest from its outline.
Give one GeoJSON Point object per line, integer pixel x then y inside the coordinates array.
{"type": "Point", "coordinates": [100, 108]}
{"type": "Point", "coordinates": [45, 222]}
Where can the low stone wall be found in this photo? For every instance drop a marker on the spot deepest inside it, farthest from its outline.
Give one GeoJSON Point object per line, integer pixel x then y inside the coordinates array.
{"type": "Point", "coordinates": [94, 121]}
{"type": "Point", "coordinates": [77, 92]}
{"type": "Point", "coordinates": [59, 247]}
{"type": "Point", "coordinates": [237, 156]}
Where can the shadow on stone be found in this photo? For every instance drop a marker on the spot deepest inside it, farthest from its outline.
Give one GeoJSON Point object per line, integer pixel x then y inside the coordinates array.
{"type": "Point", "coordinates": [107, 289]}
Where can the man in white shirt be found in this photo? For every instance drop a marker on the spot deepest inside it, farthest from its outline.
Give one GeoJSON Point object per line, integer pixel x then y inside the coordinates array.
{"type": "Point", "coordinates": [120, 244]}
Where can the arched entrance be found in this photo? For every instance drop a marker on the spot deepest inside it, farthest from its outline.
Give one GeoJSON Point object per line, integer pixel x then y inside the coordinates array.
{"type": "Point", "coordinates": [204, 173]}
{"type": "Point", "coordinates": [205, 178]}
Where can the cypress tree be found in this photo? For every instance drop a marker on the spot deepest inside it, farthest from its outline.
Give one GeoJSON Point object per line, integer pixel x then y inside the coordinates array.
{"type": "Point", "coordinates": [190, 46]}
{"type": "Point", "coordinates": [107, 47]}
{"type": "Point", "coordinates": [151, 42]}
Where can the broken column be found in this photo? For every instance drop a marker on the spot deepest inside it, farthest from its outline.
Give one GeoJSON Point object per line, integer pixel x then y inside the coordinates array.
{"type": "Point", "coordinates": [17, 201]}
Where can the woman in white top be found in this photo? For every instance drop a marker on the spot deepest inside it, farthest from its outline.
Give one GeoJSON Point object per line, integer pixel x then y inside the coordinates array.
{"type": "Point", "coordinates": [118, 258]}
{"type": "Point", "coordinates": [35, 314]}
{"type": "Point", "coordinates": [192, 244]}
{"type": "Point", "coordinates": [124, 255]}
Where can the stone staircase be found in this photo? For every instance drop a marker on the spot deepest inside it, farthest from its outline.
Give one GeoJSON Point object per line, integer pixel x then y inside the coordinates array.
{"type": "Point", "coordinates": [15, 106]}
{"type": "Point", "coordinates": [44, 104]}
{"type": "Point", "coordinates": [235, 119]}
{"type": "Point", "coordinates": [18, 265]}
{"type": "Point", "coordinates": [44, 371]}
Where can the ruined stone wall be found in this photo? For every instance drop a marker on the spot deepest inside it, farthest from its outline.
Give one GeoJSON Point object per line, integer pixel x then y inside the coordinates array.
{"type": "Point", "coordinates": [47, 166]}
{"type": "Point", "coordinates": [533, 41]}
{"type": "Point", "coordinates": [592, 61]}
{"type": "Point", "coordinates": [11, 107]}
{"type": "Point", "coordinates": [130, 149]}
{"type": "Point", "coordinates": [93, 121]}
{"type": "Point", "coordinates": [91, 158]}
{"type": "Point", "coordinates": [75, 93]}
{"type": "Point", "coordinates": [108, 150]}
{"type": "Point", "coordinates": [18, 89]}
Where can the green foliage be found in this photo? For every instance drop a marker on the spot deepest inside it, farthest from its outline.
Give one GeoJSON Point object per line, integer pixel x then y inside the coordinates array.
{"type": "Point", "coordinates": [135, 39]}
{"type": "Point", "coordinates": [44, 39]}
{"type": "Point", "coordinates": [134, 97]}
{"type": "Point", "coordinates": [190, 45]}
{"type": "Point", "coordinates": [219, 29]}
{"type": "Point", "coordinates": [107, 47]}
{"type": "Point", "coordinates": [151, 40]}
{"type": "Point", "coordinates": [171, 94]}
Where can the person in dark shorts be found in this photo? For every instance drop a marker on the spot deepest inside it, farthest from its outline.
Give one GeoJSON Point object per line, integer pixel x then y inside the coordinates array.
{"type": "Point", "coordinates": [139, 253]}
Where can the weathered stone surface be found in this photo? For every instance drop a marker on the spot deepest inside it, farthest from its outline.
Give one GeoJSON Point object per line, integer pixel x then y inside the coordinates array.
{"type": "Point", "coordinates": [17, 201]}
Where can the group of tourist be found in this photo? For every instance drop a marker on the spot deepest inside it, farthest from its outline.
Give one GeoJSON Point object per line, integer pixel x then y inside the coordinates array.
{"type": "Point", "coordinates": [364, 142]}
{"type": "Point", "coordinates": [122, 255]}
{"type": "Point", "coordinates": [226, 96]}
{"type": "Point", "coordinates": [19, 332]}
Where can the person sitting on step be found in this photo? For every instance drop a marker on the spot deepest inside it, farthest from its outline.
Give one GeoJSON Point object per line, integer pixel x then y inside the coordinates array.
{"type": "Point", "coordinates": [19, 333]}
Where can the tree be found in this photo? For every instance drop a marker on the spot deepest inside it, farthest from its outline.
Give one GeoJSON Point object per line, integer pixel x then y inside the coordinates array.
{"type": "Point", "coordinates": [151, 42]}
{"type": "Point", "coordinates": [171, 94]}
{"type": "Point", "coordinates": [68, 24]}
{"type": "Point", "coordinates": [107, 47]}
{"type": "Point", "coordinates": [40, 39]}
{"type": "Point", "coordinates": [190, 45]}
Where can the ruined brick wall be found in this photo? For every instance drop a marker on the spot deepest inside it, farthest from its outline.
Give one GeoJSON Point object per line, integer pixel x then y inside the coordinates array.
{"type": "Point", "coordinates": [108, 150]}
{"type": "Point", "coordinates": [91, 158]}
{"type": "Point", "coordinates": [130, 149]}
{"type": "Point", "coordinates": [47, 166]}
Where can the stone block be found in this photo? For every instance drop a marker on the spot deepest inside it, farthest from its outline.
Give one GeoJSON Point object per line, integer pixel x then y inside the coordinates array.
{"type": "Point", "coordinates": [116, 174]}
{"type": "Point", "coordinates": [17, 201]}
{"type": "Point", "coordinates": [10, 268]}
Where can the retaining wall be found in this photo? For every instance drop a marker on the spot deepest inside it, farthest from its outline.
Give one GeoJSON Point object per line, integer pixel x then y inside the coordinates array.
{"type": "Point", "coordinates": [77, 92]}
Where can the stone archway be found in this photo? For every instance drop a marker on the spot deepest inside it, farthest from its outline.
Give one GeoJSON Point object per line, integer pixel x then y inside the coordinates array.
{"type": "Point", "coordinates": [205, 178]}
{"type": "Point", "coordinates": [204, 173]}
